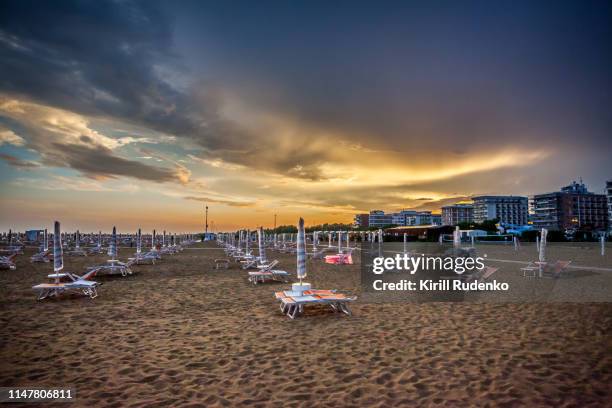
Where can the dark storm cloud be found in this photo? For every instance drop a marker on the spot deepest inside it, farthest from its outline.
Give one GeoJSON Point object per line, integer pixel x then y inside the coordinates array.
{"type": "Point", "coordinates": [99, 162]}
{"type": "Point", "coordinates": [462, 77]}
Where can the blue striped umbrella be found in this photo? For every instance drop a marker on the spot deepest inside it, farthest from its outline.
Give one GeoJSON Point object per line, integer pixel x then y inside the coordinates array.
{"type": "Point", "coordinates": [248, 240]}
{"type": "Point", "coordinates": [58, 251]}
{"type": "Point", "coordinates": [301, 251]}
{"type": "Point", "coordinates": [112, 248]}
{"type": "Point", "coordinates": [138, 242]}
{"type": "Point", "coordinates": [262, 250]}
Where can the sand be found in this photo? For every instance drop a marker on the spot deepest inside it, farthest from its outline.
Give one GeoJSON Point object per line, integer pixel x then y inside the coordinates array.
{"type": "Point", "coordinates": [180, 333]}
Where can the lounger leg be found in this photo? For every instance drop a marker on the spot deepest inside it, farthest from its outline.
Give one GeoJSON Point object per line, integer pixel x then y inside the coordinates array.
{"type": "Point", "coordinates": [345, 309]}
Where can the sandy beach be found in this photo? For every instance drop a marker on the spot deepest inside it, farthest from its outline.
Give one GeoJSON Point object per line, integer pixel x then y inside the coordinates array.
{"type": "Point", "coordinates": [180, 333]}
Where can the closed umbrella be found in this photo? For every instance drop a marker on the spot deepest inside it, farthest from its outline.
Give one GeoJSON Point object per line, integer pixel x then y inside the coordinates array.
{"type": "Point", "coordinates": [138, 242]}
{"type": "Point", "coordinates": [58, 251]}
{"type": "Point", "coordinates": [301, 251]}
{"type": "Point", "coordinates": [260, 242]}
{"type": "Point", "coordinates": [112, 249]}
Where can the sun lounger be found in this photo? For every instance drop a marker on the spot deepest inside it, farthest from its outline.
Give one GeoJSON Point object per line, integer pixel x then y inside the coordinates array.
{"type": "Point", "coordinates": [339, 259]}
{"type": "Point", "coordinates": [267, 276]}
{"type": "Point", "coordinates": [83, 287]}
{"type": "Point", "coordinates": [222, 263]}
{"type": "Point", "coordinates": [545, 269]}
{"type": "Point", "coordinates": [8, 262]}
{"type": "Point", "coordinates": [292, 304]}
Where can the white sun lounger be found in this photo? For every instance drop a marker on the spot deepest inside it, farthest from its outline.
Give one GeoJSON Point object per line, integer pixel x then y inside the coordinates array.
{"type": "Point", "coordinates": [292, 304]}
{"type": "Point", "coordinates": [80, 286]}
{"type": "Point", "coordinates": [267, 276]}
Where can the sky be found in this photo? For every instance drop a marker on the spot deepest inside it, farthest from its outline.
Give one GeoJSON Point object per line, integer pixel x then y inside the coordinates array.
{"type": "Point", "coordinates": [137, 114]}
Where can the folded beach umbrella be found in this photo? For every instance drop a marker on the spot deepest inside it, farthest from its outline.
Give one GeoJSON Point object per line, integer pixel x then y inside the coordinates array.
{"type": "Point", "coordinates": [248, 240]}
{"type": "Point", "coordinates": [77, 243]}
{"type": "Point", "coordinates": [99, 239]}
{"type": "Point", "coordinates": [10, 238]}
{"type": "Point", "coordinates": [542, 251]}
{"type": "Point", "coordinates": [405, 251]}
{"type": "Point", "coordinates": [329, 236]}
{"type": "Point", "coordinates": [112, 248]}
{"type": "Point", "coordinates": [138, 242]}
{"type": "Point", "coordinates": [457, 237]}
{"type": "Point", "coordinates": [262, 251]}
{"type": "Point", "coordinates": [58, 251]}
{"type": "Point", "coordinates": [153, 248]}
{"type": "Point", "coordinates": [301, 251]}
{"type": "Point", "coordinates": [45, 241]}
{"type": "Point", "coordinates": [164, 239]}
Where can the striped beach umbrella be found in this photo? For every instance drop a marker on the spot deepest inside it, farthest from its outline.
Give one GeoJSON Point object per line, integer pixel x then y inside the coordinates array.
{"type": "Point", "coordinates": [112, 248]}
{"type": "Point", "coordinates": [58, 251]}
{"type": "Point", "coordinates": [542, 251]}
{"type": "Point", "coordinates": [301, 251]}
{"type": "Point", "coordinates": [260, 241]}
{"type": "Point", "coordinates": [248, 241]}
{"type": "Point", "coordinates": [138, 242]}
{"type": "Point", "coordinates": [457, 237]}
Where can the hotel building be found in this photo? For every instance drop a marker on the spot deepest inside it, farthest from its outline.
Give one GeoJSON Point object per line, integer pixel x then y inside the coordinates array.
{"type": "Point", "coordinates": [456, 213]}
{"type": "Point", "coordinates": [506, 209]}
{"type": "Point", "coordinates": [572, 208]}
{"type": "Point", "coordinates": [378, 218]}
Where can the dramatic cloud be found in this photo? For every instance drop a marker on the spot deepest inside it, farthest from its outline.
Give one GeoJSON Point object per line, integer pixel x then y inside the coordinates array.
{"type": "Point", "coordinates": [17, 162]}
{"type": "Point", "coordinates": [64, 139]}
{"type": "Point", "coordinates": [9, 137]}
{"type": "Point", "coordinates": [325, 109]}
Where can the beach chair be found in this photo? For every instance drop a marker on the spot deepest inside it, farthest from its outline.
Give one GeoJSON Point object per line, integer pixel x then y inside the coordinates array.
{"type": "Point", "coordinates": [222, 263]}
{"type": "Point", "coordinates": [272, 275]}
{"type": "Point", "coordinates": [292, 303]}
{"type": "Point", "coordinates": [545, 269]}
{"type": "Point", "coordinates": [8, 262]}
{"type": "Point", "coordinates": [42, 256]}
{"type": "Point", "coordinates": [113, 266]}
{"type": "Point", "coordinates": [339, 259]}
{"type": "Point", "coordinates": [556, 269]}
{"type": "Point", "coordinates": [64, 282]}
{"type": "Point", "coordinates": [79, 286]}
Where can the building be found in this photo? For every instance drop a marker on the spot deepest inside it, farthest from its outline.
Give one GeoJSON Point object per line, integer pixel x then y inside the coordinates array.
{"type": "Point", "coordinates": [411, 217]}
{"type": "Point", "coordinates": [361, 220]}
{"type": "Point", "coordinates": [436, 219]}
{"type": "Point", "coordinates": [572, 208]}
{"type": "Point", "coordinates": [609, 195]}
{"type": "Point", "coordinates": [505, 209]}
{"type": "Point", "coordinates": [457, 213]}
{"type": "Point", "coordinates": [378, 218]}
